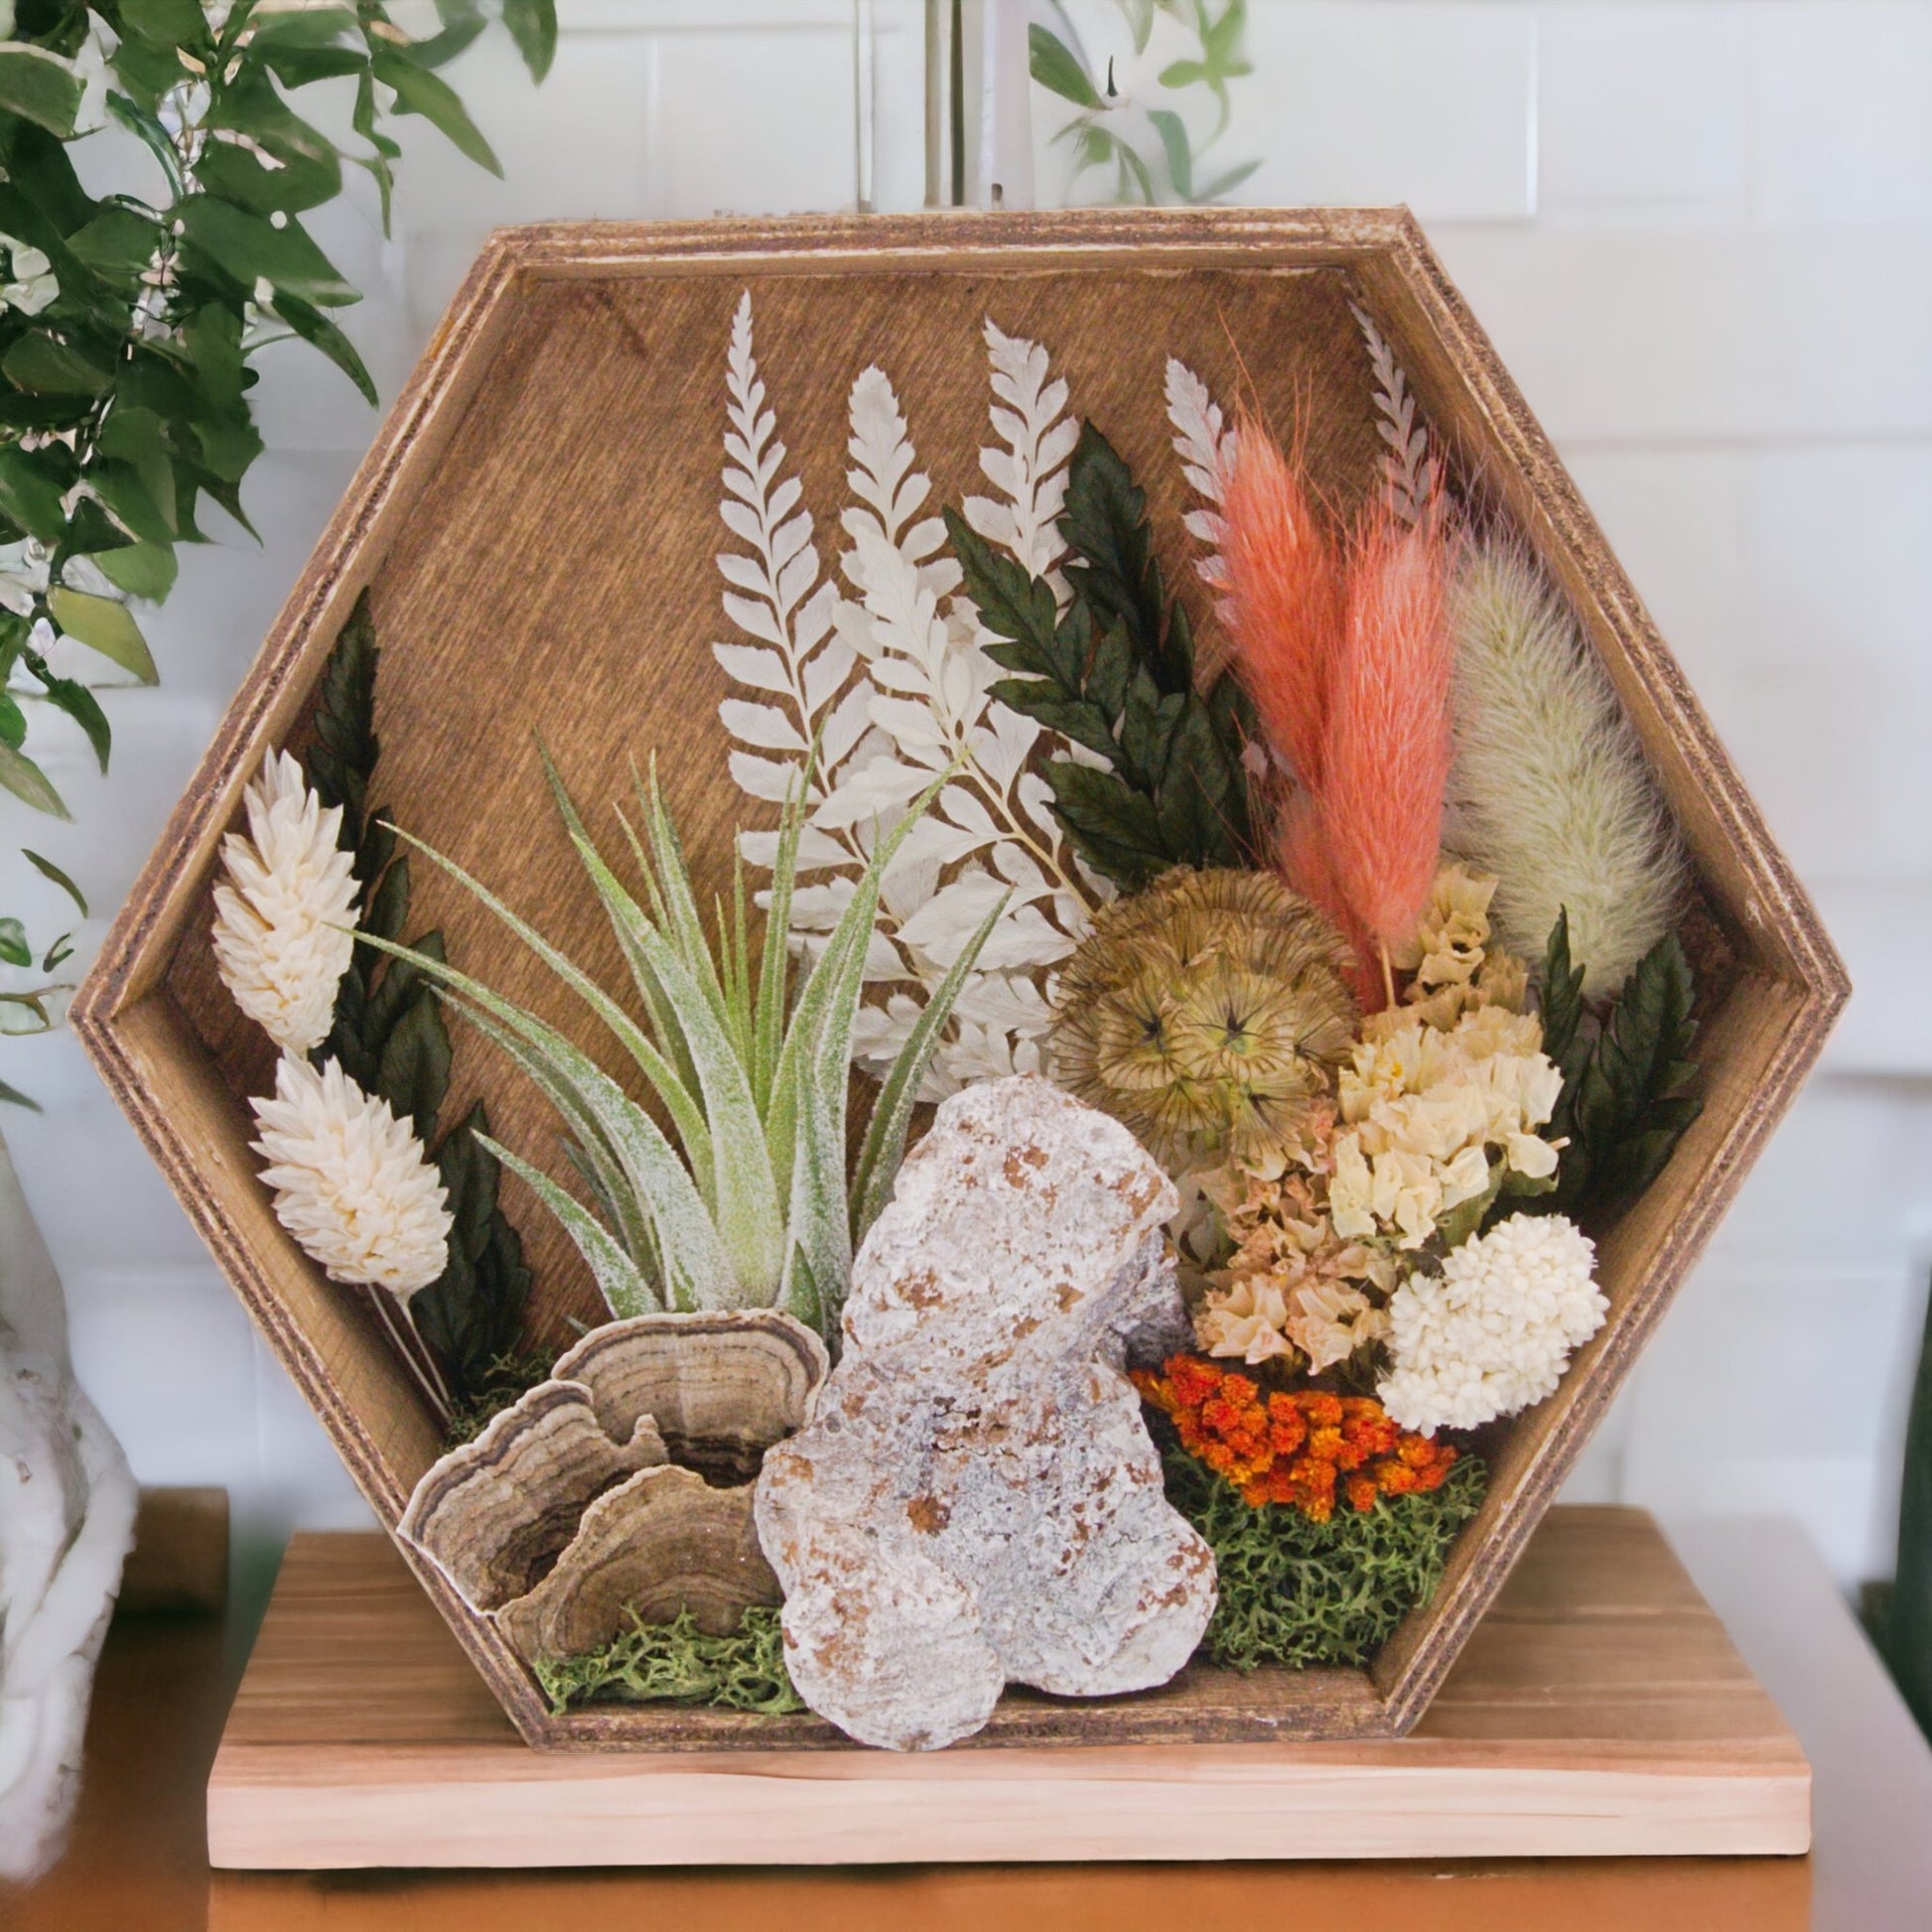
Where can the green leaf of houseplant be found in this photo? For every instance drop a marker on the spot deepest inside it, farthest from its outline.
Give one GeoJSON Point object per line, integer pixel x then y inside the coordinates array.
{"type": "Point", "coordinates": [103, 626]}
{"type": "Point", "coordinates": [48, 870]}
{"type": "Point", "coordinates": [250, 248]}
{"type": "Point", "coordinates": [29, 784]}
{"type": "Point", "coordinates": [1055, 67]}
{"type": "Point", "coordinates": [532, 26]}
{"type": "Point", "coordinates": [419, 91]}
{"type": "Point", "coordinates": [40, 87]}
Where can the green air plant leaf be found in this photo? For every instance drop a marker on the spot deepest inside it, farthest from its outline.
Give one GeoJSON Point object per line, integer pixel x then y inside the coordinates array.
{"type": "Point", "coordinates": [752, 1207]}
{"type": "Point", "coordinates": [1116, 675]}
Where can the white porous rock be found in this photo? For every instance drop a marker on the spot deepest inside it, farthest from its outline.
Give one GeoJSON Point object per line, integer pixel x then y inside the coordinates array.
{"type": "Point", "coordinates": [976, 1499]}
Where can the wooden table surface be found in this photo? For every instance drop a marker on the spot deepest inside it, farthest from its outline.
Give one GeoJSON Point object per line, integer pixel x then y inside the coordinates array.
{"type": "Point", "coordinates": [137, 1862]}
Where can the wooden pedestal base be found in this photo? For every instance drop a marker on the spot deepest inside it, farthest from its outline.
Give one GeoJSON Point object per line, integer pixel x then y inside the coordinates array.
{"type": "Point", "coordinates": [1599, 1711]}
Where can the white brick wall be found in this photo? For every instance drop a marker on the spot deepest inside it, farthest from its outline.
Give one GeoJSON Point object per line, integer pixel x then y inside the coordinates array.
{"type": "Point", "coordinates": [1701, 232]}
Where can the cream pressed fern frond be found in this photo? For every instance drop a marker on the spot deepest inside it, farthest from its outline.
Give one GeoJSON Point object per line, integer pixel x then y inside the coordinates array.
{"type": "Point", "coordinates": [745, 1202]}
{"type": "Point", "coordinates": [1549, 788]}
{"type": "Point", "coordinates": [1028, 466]}
{"type": "Point", "coordinates": [1205, 443]}
{"type": "Point", "coordinates": [775, 594]}
{"type": "Point", "coordinates": [1408, 466]}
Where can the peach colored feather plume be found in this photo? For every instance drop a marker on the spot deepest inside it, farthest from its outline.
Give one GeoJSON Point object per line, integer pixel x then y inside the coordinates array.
{"type": "Point", "coordinates": [1386, 756]}
{"type": "Point", "coordinates": [1282, 599]}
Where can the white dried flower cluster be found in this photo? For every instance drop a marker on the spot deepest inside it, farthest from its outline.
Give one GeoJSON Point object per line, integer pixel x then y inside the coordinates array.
{"type": "Point", "coordinates": [1425, 1114]}
{"type": "Point", "coordinates": [352, 1182]}
{"type": "Point", "coordinates": [284, 916]}
{"type": "Point", "coordinates": [1495, 1331]}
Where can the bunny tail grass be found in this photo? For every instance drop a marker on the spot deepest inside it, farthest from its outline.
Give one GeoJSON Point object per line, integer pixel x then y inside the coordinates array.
{"type": "Point", "coordinates": [1386, 761]}
{"type": "Point", "coordinates": [1283, 597]}
{"type": "Point", "coordinates": [1549, 789]}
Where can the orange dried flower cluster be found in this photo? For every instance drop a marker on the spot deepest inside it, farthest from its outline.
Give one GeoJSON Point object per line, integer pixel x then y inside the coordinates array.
{"type": "Point", "coordinates": [1297, 1448]}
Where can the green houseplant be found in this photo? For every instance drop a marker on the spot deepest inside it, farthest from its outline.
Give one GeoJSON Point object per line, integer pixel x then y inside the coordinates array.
{"type": "Point", "coordinates": [129, 319]}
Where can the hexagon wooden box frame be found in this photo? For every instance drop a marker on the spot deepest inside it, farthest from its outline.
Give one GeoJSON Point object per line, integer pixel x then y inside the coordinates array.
{"type": "Point", "coordinates": [537, 525]}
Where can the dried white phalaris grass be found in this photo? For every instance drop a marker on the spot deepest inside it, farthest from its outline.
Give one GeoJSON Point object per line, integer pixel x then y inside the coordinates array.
{"type": "Point", "coordinates": [284, 915]}
{"type": "Point", "coordinates": [1549, 789]}
{"type": "Point", "coordinates": [351, 1182]}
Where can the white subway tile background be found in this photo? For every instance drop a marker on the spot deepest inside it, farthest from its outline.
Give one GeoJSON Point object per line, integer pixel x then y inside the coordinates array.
{"type": "Point", "coordinates": [1700, 233]}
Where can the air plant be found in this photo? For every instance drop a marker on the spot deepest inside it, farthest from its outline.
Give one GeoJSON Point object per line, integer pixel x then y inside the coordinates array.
{"type": "Point", "coordinates": [745, 1202]}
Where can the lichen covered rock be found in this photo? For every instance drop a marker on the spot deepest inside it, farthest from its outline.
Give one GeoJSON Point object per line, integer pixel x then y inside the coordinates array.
{"type": "Point", "coordinates": [976, 1500]}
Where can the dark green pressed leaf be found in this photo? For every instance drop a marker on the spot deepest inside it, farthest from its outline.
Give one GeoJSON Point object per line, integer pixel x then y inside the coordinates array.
{"type": "Point", "coordinates": [58, 954]}
{"type": "Point", "coordinates": [346, 749]}
{"type": "Point", "coordinates": [31, 490]}
{"type": "Point", "coordinates": [1056, 68]}
{"type": "Point", "coordinates": [250, 248]}
{"type": "Point", "coordinates": [29, 784]}
{"type": "Point", "coordinates": [419, 91]}
{"type": "Point", "coordinates": [103, 626]}
{"type": "Point", "coordinates": [14, 948]}
{"type": "Point", "coordinates": [532, 26]}
{"type": "Point", "coordinates": [320, 333]}
{"type": "Point", "coordinates": [39, 87]}
{"type": "Point", "coordinates": [413, 1073]}
{"type": "Point", "coordinates": [13, 721]}
{"type": "Point", "coordinates": [48, 870]}
{"type": "Point", "coordinates": [140, 569]}
{"type": "Point", "coordinates": [13, 1096]}
{"type": "Point", "coordinates": [1559, 998]}
{"type": "Point", "coordinates": [401, 986]}
{"type": "Point", "coordinates": [83, 708]}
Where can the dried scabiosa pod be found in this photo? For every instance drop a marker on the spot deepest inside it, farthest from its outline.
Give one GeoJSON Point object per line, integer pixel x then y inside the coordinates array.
{"type": "Point", "coordinates": [1208, 1013]}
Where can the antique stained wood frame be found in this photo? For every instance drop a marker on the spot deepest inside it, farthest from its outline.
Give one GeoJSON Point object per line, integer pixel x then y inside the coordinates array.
{"type": "Point", "coordinates": [536, 522]}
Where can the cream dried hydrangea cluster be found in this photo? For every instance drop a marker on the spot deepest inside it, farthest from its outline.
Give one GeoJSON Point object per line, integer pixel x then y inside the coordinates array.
{"type": "Point", "coordinates": [1494, 1332]}
{"type": "Point", "coordinates": [285, 914]}
{"type": "Point", "coordinates": [1456, 967]}
{"type": "Point", "coordinates": [352, 1182]}
{"type": "Point", "coordinates": [1433, 1119]}
{"type": "Point", "coordinates": [1291, 1285]}
{"type": "Point", "coordinates": [1442, 1097]}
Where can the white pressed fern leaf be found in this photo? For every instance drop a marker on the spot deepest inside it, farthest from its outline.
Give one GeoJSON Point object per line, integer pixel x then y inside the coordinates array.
{"type": "Point", "coordinates": [897, 681]}
{"type": "Point", "coordinates": [990, 834]}
{"type": "Point", "coordinates": [1408, 462]}
{"type": "Point", "coordinates": [1205, 443]}
{"type": "Point", "coordinates": [774, 593]}
{"type": "Point", "coordinates": [1029, 466]}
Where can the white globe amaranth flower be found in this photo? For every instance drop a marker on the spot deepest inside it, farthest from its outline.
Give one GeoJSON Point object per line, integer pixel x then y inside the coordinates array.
{"type": "Point", "coordinates": [285, 916]}
{"type": "Point", "coordinates": [1494, 1333]}
{"type": "Point", "coordinates": [351, 1182]}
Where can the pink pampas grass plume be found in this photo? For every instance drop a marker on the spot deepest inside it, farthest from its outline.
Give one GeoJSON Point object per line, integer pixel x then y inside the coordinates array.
{"type": "Point", "coordinates": [1282, 599]}
{"type": "Point", "coordinates": [1387, 749]}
